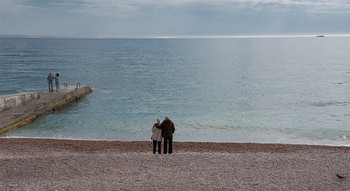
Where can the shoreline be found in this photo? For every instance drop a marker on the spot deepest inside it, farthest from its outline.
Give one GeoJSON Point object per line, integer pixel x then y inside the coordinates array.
{"type": "Point", "coordinates": [177, 141]}
{"type": "Point", "coordinates": [52, 164]}
{"type": "Point", "coordinates": [180, 146]}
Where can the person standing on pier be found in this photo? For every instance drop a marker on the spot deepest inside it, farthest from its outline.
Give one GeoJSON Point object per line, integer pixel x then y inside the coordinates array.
{"type": "Point", "coordinates": [49, 81]}
{"type": "Point", "coordinates": [57, 83]}
{"type": "Point", "coordinates": [168, 129]}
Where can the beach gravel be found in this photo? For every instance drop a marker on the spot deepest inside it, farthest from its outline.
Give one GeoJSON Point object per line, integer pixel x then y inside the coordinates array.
{"type": "Point", "coordinates": [48, 164]}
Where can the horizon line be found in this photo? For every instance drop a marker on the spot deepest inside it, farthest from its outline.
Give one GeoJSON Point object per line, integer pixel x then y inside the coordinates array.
{"type": "Point", "coordinates": [171, 36]}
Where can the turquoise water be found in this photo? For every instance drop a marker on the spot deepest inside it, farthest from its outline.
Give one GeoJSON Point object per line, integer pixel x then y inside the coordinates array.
{"type": "Point", "coordinates": [266, 90]}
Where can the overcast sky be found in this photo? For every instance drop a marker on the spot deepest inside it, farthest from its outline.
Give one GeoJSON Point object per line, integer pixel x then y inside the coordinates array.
{"type": "Point", "coordinates": [154, 18]}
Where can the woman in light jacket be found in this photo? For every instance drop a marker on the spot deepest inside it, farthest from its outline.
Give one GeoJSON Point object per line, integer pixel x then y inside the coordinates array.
{"type": "Point", "coordinates": [57, 82]}
{"type": "Point", "coordinates": [157, 137]}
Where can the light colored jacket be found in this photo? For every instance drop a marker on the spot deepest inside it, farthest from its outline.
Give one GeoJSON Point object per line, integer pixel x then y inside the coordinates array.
{"type": "Point", "coordinates": [157, 133]}
{"type": "Point", "coordinates": [57, 80]}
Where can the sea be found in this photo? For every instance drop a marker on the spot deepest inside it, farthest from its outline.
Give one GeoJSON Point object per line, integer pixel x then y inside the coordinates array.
{"type": "Point", "coordinates": [289, 90]}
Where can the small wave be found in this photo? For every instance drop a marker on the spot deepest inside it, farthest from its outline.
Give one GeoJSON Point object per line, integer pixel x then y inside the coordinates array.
{"type": "Point", "coordinates": [330, 103]}
{"type": "Point", "coordinates": [341, 83]}
{"type": "Point", "coordinates": [102, 90]}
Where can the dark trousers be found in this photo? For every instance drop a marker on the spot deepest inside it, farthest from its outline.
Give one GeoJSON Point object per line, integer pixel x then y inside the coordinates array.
{"type": "Point", "coordinates": [50, 86]}
{"type": "Point", "coordinates": [159, 147]}
{"type": "Point", "coordinates": [166, 140]}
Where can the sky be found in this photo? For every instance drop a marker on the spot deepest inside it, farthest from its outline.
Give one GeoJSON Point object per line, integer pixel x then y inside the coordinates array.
{"type": "Point", "coordinates": [171, 18]}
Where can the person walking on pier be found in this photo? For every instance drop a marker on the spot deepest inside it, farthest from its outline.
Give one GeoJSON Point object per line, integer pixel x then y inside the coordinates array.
{"type": "Point", "coordinates": [49, 81]}
{"type": "Point", "coordinates": [57, 83]}
{"type": "Point", "coordinates": [168, 128]}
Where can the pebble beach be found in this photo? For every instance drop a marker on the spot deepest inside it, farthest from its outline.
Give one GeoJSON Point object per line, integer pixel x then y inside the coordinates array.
{"type": "Point", "coordinates": [50, 164]}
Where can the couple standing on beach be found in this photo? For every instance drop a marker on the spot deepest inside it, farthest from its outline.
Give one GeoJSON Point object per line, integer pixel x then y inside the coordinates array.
{"type": "Point", "coordinates": [50, 79]}
{"type": "Point", "coordinates": [165, 129]}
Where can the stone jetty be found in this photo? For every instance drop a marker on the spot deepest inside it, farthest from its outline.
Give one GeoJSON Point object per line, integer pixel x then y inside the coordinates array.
{"type": "Point", "coordinates": [20, 109]}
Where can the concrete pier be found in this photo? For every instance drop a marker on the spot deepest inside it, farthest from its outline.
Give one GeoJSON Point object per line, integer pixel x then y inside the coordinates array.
{"type": "Point", "coordinates": [20, 109]}
{"type": "Point", "coordinates": [11, 101]}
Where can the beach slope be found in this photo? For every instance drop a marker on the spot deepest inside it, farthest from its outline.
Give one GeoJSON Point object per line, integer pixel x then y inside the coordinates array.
{"type": "Point", "coordinates": [46, 164]}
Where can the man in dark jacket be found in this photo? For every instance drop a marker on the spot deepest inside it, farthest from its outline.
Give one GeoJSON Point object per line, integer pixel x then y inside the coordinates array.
{"type": "Point", "coordinates": [168, 129]}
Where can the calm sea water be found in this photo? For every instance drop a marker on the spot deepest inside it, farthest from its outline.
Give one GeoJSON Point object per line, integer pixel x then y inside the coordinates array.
{"type": "Point", "coordinates": [266, 90]}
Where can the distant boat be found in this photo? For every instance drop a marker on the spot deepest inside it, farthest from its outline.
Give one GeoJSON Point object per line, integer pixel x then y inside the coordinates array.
{"type": "Point", "coordinates": [320, 36]}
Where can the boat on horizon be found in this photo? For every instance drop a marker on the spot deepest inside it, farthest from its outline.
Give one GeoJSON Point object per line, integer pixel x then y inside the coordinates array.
{"type": "Point", "coordinates": [320, 36]}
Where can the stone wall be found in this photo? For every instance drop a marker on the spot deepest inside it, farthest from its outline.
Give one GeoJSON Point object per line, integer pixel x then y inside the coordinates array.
{"type": "Point", "coordinates": [15, 100]}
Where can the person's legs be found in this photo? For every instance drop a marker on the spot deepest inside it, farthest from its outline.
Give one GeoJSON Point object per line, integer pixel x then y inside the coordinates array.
{"type": "Point", "coordinates": [170, 145]}
{"type": "Point", "coordinates": [159, 147]}
{"type": "Point", "coordinates": [57, 86]}
{"type": "Point", "coordinates": [165, 145]}
{"type": "Point", "coordinates": [51, 86]}
{"type": "Point", "coordinates": [154, 146]}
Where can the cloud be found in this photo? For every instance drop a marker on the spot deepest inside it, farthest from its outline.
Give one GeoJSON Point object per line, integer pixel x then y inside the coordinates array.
{"type": "Point", "coordinates": [172, 17]}
{"type": "Point", "coordinates": [337, 6]}
{"type": "Point", "coordinates": [129, 7]}
{"type": "Point", "coordinates": [13, 6]}
{"type": "Point", "coordinates": [124, 8]}
{"type": "Point", "coordinates": [107, 8]}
